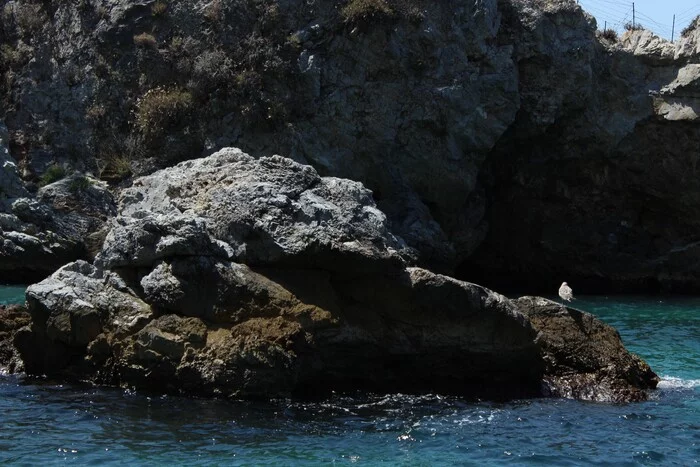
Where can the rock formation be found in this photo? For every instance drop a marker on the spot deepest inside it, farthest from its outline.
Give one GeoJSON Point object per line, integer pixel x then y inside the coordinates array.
{"type": "Point", "coordinates": [605, 194]}
{"type": "Point", "coordinates": [245, 277]}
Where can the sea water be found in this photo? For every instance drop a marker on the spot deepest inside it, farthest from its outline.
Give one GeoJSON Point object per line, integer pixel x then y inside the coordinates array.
{"type": "Point", "coordinates": [49, 423]}
{"type": "Point", "coordinates": [10, 294]}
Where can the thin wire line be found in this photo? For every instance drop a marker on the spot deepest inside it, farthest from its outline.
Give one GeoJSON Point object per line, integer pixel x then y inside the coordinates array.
{"type": "Point", "coordinates": [611, 11]}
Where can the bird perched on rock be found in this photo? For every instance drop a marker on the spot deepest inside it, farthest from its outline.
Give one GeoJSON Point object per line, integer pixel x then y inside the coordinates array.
{"type": "Point", "coordinates": [566, 293]}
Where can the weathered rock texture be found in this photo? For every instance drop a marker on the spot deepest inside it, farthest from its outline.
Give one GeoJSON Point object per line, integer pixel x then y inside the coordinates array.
{"type": "Point", "coordinates": [501, 137]}
{"type": "Point", "coordinates": [249, 277]}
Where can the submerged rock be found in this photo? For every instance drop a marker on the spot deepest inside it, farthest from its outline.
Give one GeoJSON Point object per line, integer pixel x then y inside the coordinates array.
{"type": "Point", "coordinates": [259, 278]}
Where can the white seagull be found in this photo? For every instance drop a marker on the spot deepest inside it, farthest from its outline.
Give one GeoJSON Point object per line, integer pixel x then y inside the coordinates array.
{"type": "Point", "coordinates": [565, 293]}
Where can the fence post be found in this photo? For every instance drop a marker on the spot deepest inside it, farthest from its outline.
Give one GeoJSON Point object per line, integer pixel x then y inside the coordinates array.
{"type": "Point", "coordinates": [673, 28]}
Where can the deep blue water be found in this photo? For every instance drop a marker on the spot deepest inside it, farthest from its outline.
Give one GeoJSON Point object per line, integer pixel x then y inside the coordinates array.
{"type": "Point", "coordinates": [56, 424]}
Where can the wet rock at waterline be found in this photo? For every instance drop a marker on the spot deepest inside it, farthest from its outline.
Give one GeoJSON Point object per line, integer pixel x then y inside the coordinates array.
{"type": "Point", "coordinates": [584, 357]}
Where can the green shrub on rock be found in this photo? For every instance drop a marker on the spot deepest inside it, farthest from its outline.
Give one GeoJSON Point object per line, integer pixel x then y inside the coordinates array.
{"type": "Point", "coordinates": [52, 174]}
{"type": "Point", "coordinates": [146, 40]}
{"type": "Point", "coordinates": [161, 108]}
{"type": "Point", "coordinates": [79, 184]}
{"type": "Point", "coordinates": [113, 167]}
{"type": "Point", "coordinates": [359, 10]}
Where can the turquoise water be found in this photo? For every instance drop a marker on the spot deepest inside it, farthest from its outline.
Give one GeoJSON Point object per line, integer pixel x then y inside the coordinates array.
{"type": "Point", "coordinates": [56, 424]}
{"type": "Point", "coordinates": [11, 294]}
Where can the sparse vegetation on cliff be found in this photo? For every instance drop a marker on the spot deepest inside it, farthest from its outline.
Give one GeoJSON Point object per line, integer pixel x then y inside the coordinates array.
{"type": "Point", "coordinates": [609, 34]}
{"type": "Point", "coordinates": [357, 10]}
{"type": "Point", "coordinates": [79, 184]}
{"type": "Point", "coordinates": [691, 27]}
{"type": "Point", "coordinates": [146, 40]}
{"type": "Point", "coordinates": [52, 174]}
{"type": "Point", "coordinates": [113, 167]}
{"type": "Point", "coordinates": [362, 10]}
{"type": "Point", "coordinates": [159, 8]}
{"type": "Point", "coordinates": [159, 108]}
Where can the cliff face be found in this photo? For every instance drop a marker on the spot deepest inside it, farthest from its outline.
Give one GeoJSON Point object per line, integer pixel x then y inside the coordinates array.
{"type": "Point", "coordinates": [606, 194]}
{"type": "Point", "coordinates": [502, 139]}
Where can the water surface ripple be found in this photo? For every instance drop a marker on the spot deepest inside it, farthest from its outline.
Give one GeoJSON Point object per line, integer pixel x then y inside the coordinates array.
{"type": "Point", "coordinates": [43, 422]}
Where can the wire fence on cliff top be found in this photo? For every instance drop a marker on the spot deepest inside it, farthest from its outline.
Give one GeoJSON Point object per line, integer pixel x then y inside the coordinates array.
{"type": "Point", "coordinates": [615, 14]}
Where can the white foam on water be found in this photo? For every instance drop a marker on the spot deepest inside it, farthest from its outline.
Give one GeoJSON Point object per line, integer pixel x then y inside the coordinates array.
{"type": "Point", "coordinates": [671, 382]}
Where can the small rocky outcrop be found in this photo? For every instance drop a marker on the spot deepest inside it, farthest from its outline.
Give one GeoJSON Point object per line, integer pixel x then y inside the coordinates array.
{"type": "Point", "coordinates": [258, 278]}
{"type": "Point", "coordinates": [584, 357]}
{"type": "Point", "coordinates": [40, 232]}
{"type": "Point", "coordinates": [12, 318]}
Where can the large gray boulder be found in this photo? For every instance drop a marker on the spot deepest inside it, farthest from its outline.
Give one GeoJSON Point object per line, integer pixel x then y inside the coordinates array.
{"type": "Point", "coordinates": [258, 278]}
{"type": "Point", "coordinates": [266, 211]}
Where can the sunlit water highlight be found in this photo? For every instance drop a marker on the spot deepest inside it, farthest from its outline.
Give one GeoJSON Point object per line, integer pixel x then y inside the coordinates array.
{"type": "Point", "coordinates": [56, 424]}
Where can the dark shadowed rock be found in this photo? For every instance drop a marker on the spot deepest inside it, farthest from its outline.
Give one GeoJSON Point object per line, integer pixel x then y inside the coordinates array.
{"type": "Point", "coordinates": [603, 193]}
{"type": "Point", "coordinates": [584, 357]}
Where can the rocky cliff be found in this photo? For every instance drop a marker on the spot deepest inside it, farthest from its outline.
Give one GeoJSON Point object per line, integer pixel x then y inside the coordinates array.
{"type": "Point", "coordinates": [244, 277]}
{"type": "Point", "coordinates": [605, 191]}
{"type": "Point", "coordinates": [504, 140]}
